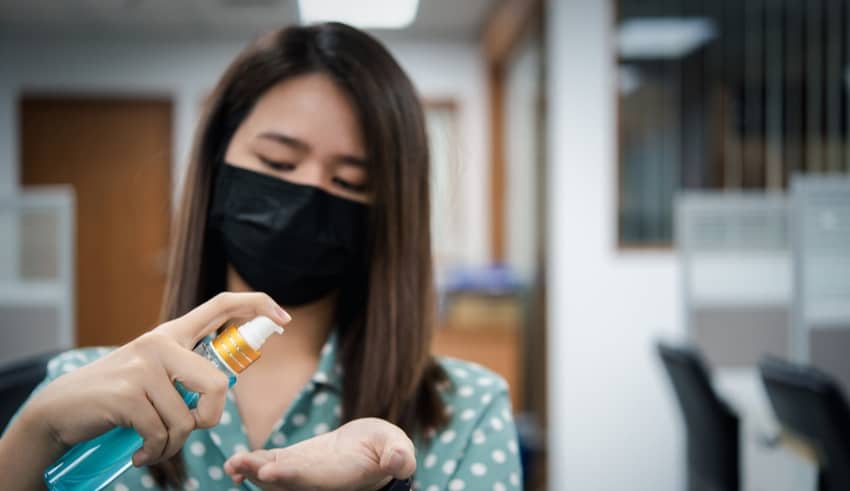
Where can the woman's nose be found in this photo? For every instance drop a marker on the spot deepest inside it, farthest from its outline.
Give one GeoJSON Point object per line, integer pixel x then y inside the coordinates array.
{"type": "Point", "coordinates": [312, 173]}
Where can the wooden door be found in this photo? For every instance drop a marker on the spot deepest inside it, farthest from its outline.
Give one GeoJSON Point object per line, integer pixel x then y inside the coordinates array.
{"type": "Point", "coordinates": [116, 153]}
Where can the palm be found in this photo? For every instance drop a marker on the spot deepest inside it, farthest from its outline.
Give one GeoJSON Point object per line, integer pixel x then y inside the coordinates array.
{"type": "Point", "coordinates": [357, 456]}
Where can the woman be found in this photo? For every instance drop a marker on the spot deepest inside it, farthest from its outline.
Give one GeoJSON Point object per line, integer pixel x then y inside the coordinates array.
{"type": "Point", "coordinates": [308, 182]}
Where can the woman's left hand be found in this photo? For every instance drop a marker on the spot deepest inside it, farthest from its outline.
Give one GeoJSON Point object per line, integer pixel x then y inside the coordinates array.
{"type": "Point", "coordinates": [362, 455]}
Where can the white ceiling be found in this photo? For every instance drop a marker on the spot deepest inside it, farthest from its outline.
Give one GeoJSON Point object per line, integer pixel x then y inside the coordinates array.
{"type": "Point", "coordinates": [211, 19]}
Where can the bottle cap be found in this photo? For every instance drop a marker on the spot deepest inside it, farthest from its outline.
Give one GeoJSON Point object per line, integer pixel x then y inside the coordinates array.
{"type": "Point", "coordinates": [239, 347]}
{"type": "Point", "coordinates": [259, 329]}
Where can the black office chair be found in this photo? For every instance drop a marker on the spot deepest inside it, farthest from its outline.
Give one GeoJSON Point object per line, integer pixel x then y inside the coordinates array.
{"type": "Point", "coordinates": [712, 428]}
{"type": "Point", "coordinates": [810, 405]}
{"type": "Point", "coordinates": [17, 380]}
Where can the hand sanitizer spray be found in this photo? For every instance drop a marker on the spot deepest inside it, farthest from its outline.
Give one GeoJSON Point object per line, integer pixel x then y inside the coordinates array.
{"type": "Point", "coordinates": [94, 464]}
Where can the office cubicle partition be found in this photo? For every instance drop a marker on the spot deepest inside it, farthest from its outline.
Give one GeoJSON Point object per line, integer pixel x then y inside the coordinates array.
{"type": "Point", "coordinates": [821, 251]}
{"type": "Point", "coordinates": [736, 274]}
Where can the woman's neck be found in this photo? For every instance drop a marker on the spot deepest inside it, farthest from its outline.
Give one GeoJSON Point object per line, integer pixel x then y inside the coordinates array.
{"type": "Point", "coordinates": [306, 332]}
{"type": "Point", "coordinates": [265, 391]}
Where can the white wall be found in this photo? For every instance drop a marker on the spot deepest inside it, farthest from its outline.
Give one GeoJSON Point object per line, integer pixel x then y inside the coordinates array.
{"type": "Point", "coordinates": [186, 71]}
{"type": "Point", "coordinates": [613, 425]}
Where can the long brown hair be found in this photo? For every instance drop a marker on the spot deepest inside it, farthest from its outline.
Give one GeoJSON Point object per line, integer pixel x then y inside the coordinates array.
{"type": "Point", "coordinates": [385, 329]}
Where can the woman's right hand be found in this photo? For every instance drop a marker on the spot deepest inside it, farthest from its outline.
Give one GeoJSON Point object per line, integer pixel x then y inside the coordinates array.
{"type": "Point", "coordinates": [133, 386]}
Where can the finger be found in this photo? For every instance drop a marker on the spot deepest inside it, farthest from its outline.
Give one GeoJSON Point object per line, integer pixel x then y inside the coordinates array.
{"type": "Point", "coordinates": [197, 375]}
{"type": "Point", "coordinates": [247, 476]}
{"type": "Point", "coordinates": [246, 465]}
{"type": "Point", "coordinates": [147, 423]}
{"type": "Point", "coordinates": [283, 473]}
{"type": "Point", "coordinates": [287, 466]}
{"type": "Point", "coordinates": [179, 420]}
{"type": "Point", "coordinates": [248, 462]}
{"type": "Point", "coordinates": [207, 317]}
{"type": "Point", "coordinates": [232, 470]}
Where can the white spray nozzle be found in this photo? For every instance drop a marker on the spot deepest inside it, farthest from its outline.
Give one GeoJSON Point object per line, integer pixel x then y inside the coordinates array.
{"type": "Point", "coordinates": [257, 330]}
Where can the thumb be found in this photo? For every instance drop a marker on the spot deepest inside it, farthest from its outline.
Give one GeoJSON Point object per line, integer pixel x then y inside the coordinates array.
{"type": "Point", "coordinates": [398, 457]}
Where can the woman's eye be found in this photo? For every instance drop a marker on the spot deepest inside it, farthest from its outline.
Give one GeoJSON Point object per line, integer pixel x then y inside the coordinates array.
{"type": "Point", "coordinates": [349, 186]}
{"type": "Point", "coordinates": [277, 165]}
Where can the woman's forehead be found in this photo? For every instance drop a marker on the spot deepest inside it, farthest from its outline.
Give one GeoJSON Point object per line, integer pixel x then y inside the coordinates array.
{"type": "Point", "coordinates": [309, 108]}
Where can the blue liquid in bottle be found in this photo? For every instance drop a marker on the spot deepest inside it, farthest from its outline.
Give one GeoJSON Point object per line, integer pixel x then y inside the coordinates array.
{"type": "Point", "coordinates": [94, 464]}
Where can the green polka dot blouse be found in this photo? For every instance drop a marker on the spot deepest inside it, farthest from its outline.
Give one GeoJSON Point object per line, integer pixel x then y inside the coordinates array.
{"type": "Point", "coordinates": [476, 451]}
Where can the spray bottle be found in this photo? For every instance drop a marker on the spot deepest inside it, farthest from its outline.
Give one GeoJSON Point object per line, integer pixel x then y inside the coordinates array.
{"type": "Point", "coordinates": [94, 464]}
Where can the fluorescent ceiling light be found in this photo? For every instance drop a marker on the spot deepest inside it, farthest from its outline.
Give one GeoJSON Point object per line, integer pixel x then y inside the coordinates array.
{"type": "Point", "coordinates": [663, 37]}
{"type": "Point", "coordinates": [365, 14]}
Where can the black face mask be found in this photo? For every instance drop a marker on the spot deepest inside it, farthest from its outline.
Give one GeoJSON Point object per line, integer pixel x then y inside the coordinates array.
{"type": "Point", "coordinates": [294, 242]}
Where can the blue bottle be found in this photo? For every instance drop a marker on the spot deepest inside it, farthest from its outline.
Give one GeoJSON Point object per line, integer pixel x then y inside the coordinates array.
{"type": "Point", "coordinates": [94, 464]}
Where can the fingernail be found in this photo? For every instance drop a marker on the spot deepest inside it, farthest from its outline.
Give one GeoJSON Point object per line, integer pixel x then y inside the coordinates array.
{"type": "Point", "coordinates": [396, 461]}
{"type": "Point", "coordinates": [140, 458]}
{"type": "Point", "coordinates": [283, 314]}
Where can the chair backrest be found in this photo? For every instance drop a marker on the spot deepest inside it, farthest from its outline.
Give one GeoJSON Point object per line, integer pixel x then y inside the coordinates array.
{"type": "Point", "coordinates": [711, 426]}
{"type": "Point", "coordinates": [810, 405]}
{"type": "Point", "coordinates": [17, 381]}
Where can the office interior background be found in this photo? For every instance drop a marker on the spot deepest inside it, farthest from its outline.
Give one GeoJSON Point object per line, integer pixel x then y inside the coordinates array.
{"type": "Point", "coordinates": [613, 181]}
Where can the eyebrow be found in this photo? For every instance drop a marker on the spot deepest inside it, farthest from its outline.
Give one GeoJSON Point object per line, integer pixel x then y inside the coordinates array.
{"type": "Point", "coordinates": [352, 160]}
{"type": "Point", "coordinates": [286, 140]}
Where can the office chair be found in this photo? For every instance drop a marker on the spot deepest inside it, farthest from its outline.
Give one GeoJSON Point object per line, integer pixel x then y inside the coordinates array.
{"type": "Point", "coordinates": [17, 381]}
{"type": "Point", "coordinates": [810, 405]}
{"type": "Point", "coordinates": [712, 428]}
